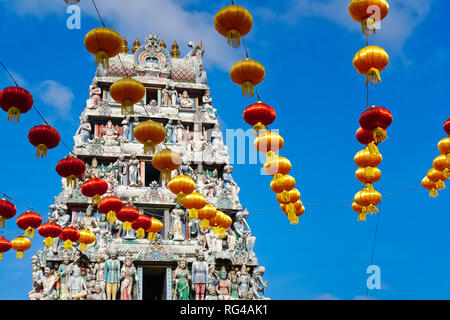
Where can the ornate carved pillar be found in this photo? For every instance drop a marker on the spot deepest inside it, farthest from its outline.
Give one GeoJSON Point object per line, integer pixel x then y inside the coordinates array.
{"type": "Point", "coordinates": [166, 223]}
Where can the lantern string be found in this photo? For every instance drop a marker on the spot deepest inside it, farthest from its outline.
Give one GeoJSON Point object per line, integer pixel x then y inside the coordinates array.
{"type": "Point", "coordinates": [12, 78]}
{"type": "Point", "coordinates": [98, 13]}
{"type": "Point", "coordinates": [14, 200]}
{"type": "Point", "coordinates": [373, 248]}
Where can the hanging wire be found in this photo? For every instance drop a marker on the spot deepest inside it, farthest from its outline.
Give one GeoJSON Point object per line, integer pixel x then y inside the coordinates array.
{"type": "Point", "coordinates": [14, 200]}
{"type": "Point", "coordinates": [98, 13]}
{"type": "Point", "coordinates": [245, 48]}
{"type": "Point", "coordinates": [12, 78]}
{"type": "Point", "coordinates": [373, 248]}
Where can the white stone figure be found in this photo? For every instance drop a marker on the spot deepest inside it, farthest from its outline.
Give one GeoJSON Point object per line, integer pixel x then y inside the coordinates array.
{"type": "Point", "coordinates": [180, 132]}
{"type": "Point", "coordinates": [128, 127]}
{"type": "Point", "coordinates": [240, 225]}
{"type": "Point", "coordinates": [48, 283]}
{"type": "Point", "coordinates": [36, 276]}
{"type": "Point", "coordinates": [134, 170]}
{"type": "Point", "coordinates": [229, 184]}
{"type": "Point", "coordinates": [95, 93]}
{"type": "Point", "coordinates": [257, 284]}
{"type": "Point", "coordinates": [110, 135]}
{"type": "Point", "coordinates": [165, 93]}
{"type": "Point", "coordinates": [213, 241]}
{"type": "Point", "coordinates": [99, 270]}
{"type": "Point", "coordinates": [89, 221]}
{"type": "Point", "coordinates": [231, 239]}
{"type": "Point", "coordinates": [121, 169]}
{"type": "Point", "coordinates": [244, 282]}
{"type": "Point", "coordinates": [173, 97]}
{"type": "Point", "coordinates": [176, 226]}
{"type": "Point", "coordinates": [185, 101]}
{"type": "Point", "coordinates": [83, 133]}
{"type": "Point", "coordinates": [94, 170]}
{"type": "Point", "coordinates": [129, 279]}
{"type": "Point", "coordinates": [207, 105]}
{"type": "Point", "coordinates": [76, 285]}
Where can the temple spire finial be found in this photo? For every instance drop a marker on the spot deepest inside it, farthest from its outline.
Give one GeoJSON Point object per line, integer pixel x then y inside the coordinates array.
{"type": "Point", "coordinates": [136, 45]}
{"type": "Point", "coordinates": [175, 53]}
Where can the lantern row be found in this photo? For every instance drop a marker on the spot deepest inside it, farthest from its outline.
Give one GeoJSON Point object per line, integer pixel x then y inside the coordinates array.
{"type": "Point", "coordinates": [374, 121]}
{"type": "Point", "coordinates": [436, 176]}
{"type": "Point", "coordinates": [234, 22]}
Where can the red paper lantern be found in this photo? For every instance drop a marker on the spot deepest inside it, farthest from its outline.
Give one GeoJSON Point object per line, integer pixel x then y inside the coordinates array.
{"type": "Point", "coordinates": [94, 188]}
{"type": "Point", "coordinates": [127, 215]}
{"type": "Point", "coordinates": [29, 221]}
{"type": "Point", "coordinates": [110, 206]}
{"type": "Point", "coordinates": [376, 119]}
{"type": "Point", "coordinates": [5, 245]}
{"type": "Point", "coordinates": [71, 168]}
{"type": "Point", "coordinates": [69, 235]}
{"type": "Point", "coordinates": [7, 211]}
{"type": "Point", "coordinates": [43, 137]}
{"type": "Point", "coordinates": [365, 136]}
{"type": "Point", "coordinates": [15, 100]}
{"type": "Point", "coordinates": [141, 224]}
{"type": "Point", "coordinates": [259, 115]}
{"type": "Point", "coordinates": [49, 230]}
{"type": "Point", "coordinates": [447, 126]}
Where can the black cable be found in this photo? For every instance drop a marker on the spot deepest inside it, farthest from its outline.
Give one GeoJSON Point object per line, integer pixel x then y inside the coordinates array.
{"type": "Point", "coordinates": [98, 13]}
{"type": "Point", "coordinates": [12, 78]}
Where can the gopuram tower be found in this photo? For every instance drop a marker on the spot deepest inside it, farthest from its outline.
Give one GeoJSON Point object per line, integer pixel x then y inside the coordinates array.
{"type": "Point", "coordinates": [184, 261]}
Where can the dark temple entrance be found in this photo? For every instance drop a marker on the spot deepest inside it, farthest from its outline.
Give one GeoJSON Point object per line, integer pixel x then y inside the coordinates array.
{"type": "Point", "coordinates": [154, 283]}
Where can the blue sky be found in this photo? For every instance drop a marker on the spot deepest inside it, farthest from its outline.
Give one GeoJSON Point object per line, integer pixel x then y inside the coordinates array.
{"type": "Point", "coordinates": [307, 49]}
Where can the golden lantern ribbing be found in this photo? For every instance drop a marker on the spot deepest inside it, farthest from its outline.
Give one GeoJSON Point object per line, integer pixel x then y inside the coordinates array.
{"type": "Point", "coordinates": [194, 202]}
{"type": "Point", "coordinates": [370, 61]}
{"type": "Point", "coordinates": [368, 174]}
{"type": "Point", "coordinates": [442, 163]}
{"type": "Point", "coordinates": [127, 92]}
{"type": "Point", "coordinates": [86, 238]}
{"type": "Point", "coordinates": [205, 214]}
{"type": "Point", "coordinates": [20, 244]}
{"type": "Point", "coordinates": [233, 22]}
{"type": "Point", "coordinates": [156, 227]}
{"type": "Point", "coordinates": [277, 166]}
{"type": "Point", "coordinates": [431, 186]}
{"type": "Point", "coordinates": [166, 161]}
{"type": "Point", "coordinates": [368, 198]}
{"type": "Point", "coordinates": [444, 147]}
{"type": "Point", "coordinates": [368, 13]}
{"type": "Point", "coordinates": [298, 210]}
{"type": "Point", "coordinates": [104, 43]}
{"type": "Point", "coordinates": [365, 158]}
{"type": "Point", "coordinates": [247, 73]}
{"type": "Point", "coordinates": [438, 177]}
{"type": "Point", "coordinates": [282, 186]}
{"type": "Point", "coordinates": [269, 143]}
{"type": "Point", "coordinates": [181, 185]}
{"type": "Point", "coordinates": [150, 134]}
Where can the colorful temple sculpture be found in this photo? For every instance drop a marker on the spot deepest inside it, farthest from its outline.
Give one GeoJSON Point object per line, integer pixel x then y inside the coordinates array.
{"type": "Point", "coordinates": [183, 259]}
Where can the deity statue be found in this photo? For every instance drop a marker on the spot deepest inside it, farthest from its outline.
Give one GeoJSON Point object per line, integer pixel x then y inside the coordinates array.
{"type": "Point", "coordinates": [185, 101]}
{"type": "Point", "coordinates": [212, 278]}
{"type": "Point", "coordinates": [200, 178]}
{"type": "Point", "coordinates": [76, 285]}
{"type": "Point", "coordinates": [89, 221]}
{"type": "Point", "coordinates": [217, 138]}
{"type": "Point", "coordinates": [243, 235]}
{"type": "Point", "coordinates": [63, 273]}
{"type": "Point", "coordinates": [234, 293]}
{"type": "Point", "coordinates": [112, 272]}
{"type": "Point", "coordinates": [83, 133]}
{"type": "Point", "coordinates": [129, 280]}
{"type": "Point", "coordinates": [109, 134]}
{"type": "Point", "coordinates": [211, 294]}
{"type": "Point", "coordinates": [134, 170]}
{"type": "Point", "coordinates": [121, 170]}
{"type": "Point", "coordinates": [200, 276]}
{"type": "Point", "coordinates": [112, 181]}
{"type": "Point", "coordinates": [98, 294]}
{"type": "Point", "coordinates": [128, 127]}
{"type": "Point", "coordinates": [244, 282]}
{"type": "Point", "coordinates": [179, 133]}
{"type": "Point", "coordinates": [257, 284]}
{"type": "Point", "coordinates": [176, 226]}
{"type": "Point", "coordinates": [229, 184]}
{"type": "Point", "coordinates": [36, 276]}
{"type": "Point", "coordinates": [170, 132]}
{"type": "Point", "coordinates": [173, 96]}
{"type": "Point", "coordinates": [48, 283]}
{"type": "Point", "coordinates": [95, 93]}
{"type": "Point", "coordinates": [60, 216]}
{"type": "Point", "coordinates": [99, 270]}
{"type": "Point", "coordinates": [94, 170]}
{"type": "Point", "coordinates": [165, 93]}
{"type": "Point", "coordinates": [223, 288]}
{"type": "Point", "coordinates": [181, 278]}
{"type": "Point", "coordinates": [207, 104]}
{"type": "Point", "coordinates": [186, 169]}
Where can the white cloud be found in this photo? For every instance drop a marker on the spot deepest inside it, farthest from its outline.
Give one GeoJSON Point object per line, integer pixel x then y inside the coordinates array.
{"type": "Point", "coordinates": [404, 16]}
{"type": "Point", "coordinates": [56, 95]}
{"type": "Point", "coordinates": [138, 18]}
{"type": "Point", "coordinates": [326, 296]}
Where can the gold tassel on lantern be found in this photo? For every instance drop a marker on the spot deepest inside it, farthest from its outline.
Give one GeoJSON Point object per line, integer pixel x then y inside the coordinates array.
{"type": "Point", "coordinates": [48, 242]}
{"type": "Point", "coordinates": [373, 75]}
{"type": "Point", "coordinates": [71, 181]}
{"type": "Point", "coordinates": [193, 214]}
{"type": "Point", "coordinates": [2, 222]}
{"type": "Point", "coordinates": [126, 226]}
{"type": "Point", "coordinates": [102, 57]}
{"type": "Point", "coordinates": [362, 215]}
{"type": "Point", "coordinates": [373, 148]}
{"type": "Point", "coordinates": [285, 196]}
{"type": "Point", "coordinates": [295, 220]}
{"type": "Point", "coordinates": [67, 245]}
{"type": "Point", "coordinates": [1, 256]}
{"type": "Point", "coordinates": [140, 233]}
{"type": "Point", "coordinates": [368, 27]}
{"type": "Point", "coordinates": [127, 108]}
{"type": "Point", "coordinates": [379, 135]}
{"type": "Point", "coordinates": [259, 128]}
{"type": "Point", "coordinates": [151, 236]}
{"type": "Point", "coordinates": [371, 209]}
{"type": "Point", "coordinates": [13, 114]}
{"type": "Point", "coordinates": [96, 200]}
{"type": "Point", "coordinates": [290, 209]}
{"type": "Point", "coordinates": [19, 255]}
{"type": "Point", "coordinates": [234, 38]}
{"type": "Point", "coordinates": [166, 174]}
{"type": "Point", "coordinates": [222, 233]}
{"type": "Point", "coordinates": [149, 147]}
{"type": "Point", "coordinates": [180, 197]}
{"type": "Point", "coordinates": [29, 233]}
{"type": "Point", "coordinates": [433, 193]}
{"type": "Point", "coordinates": [440, 185]}
{"type": "Point", "coordinates": [204, 224]}
{"type": "Point", "coordinates": [41, 151]}
{"type": "Point", "coordinates": [111, 217]}
{"type": "Point", "coordinates": [369, 172]}
{"type": "Point", "coordinates": [83, 247]}
{"type": "Point", "coordinates": [270, 155]}
{"type": "Point", "coordinates": [247, 89]}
